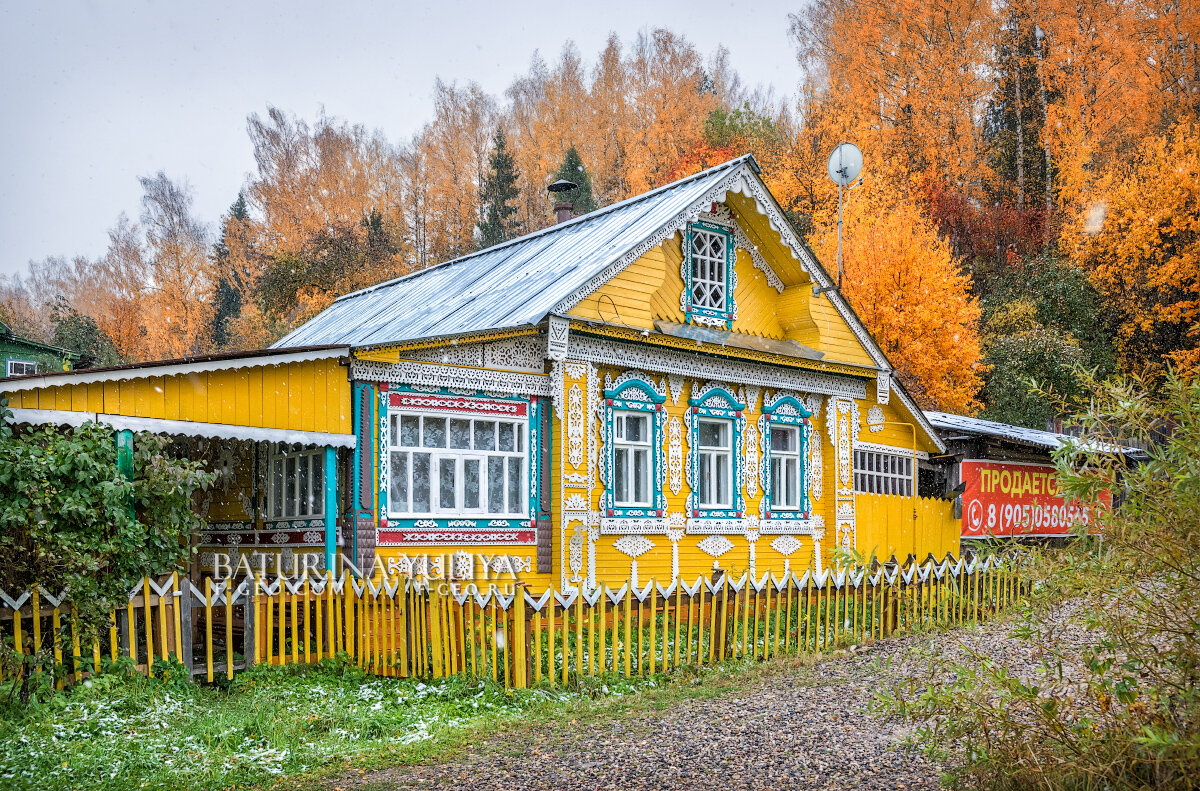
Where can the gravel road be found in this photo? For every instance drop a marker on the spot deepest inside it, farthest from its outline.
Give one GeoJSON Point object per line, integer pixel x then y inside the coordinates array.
{"type": "Point", "coordinates": [801, 729]}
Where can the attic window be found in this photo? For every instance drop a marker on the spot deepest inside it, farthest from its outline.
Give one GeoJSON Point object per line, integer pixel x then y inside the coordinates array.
{"type": "Point", "coordinates": [708, 276]}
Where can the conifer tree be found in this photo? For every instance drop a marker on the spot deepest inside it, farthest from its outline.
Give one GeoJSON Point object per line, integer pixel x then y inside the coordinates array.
{"type": "Point", "coordinates": [572, 169]}
{"type": "Point", "coordinates": [499, 196]}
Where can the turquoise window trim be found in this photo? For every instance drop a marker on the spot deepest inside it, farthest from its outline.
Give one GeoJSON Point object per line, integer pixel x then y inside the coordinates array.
{"type": "Point", "coordinates": [787, 411]}
{"type": "Point", "coordinates": [644, 398]}
{"type": "Point", "coordinates": [716, 403]}
{"type": "Point", "coordinates": [514, 521]}
{"type": "Point", "coordinates": [696, 314]}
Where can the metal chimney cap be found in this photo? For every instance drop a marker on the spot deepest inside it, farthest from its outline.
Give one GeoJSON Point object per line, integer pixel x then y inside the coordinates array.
{"type": "Point", "coordinates": [562, 185]}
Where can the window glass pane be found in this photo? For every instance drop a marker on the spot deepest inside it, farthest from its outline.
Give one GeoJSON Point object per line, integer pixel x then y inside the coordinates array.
{"type": "Point", "coordinates": [495, 484]}
{"type": "Point", "coordinates": [722, 476]}
{"type": "Point", "coordinates": [446, 469]}
{"type": "Point", "coordinates": [398, 491]}
{"type": "Point", "coordinates": [791, 468]}
{"type": "Point", "coordinates": [470, 483]}
{"type": "Point", "coordinates": [485, 435]}
{"type": "Point", "coordinates": [460, 433]}
{"type": "Point", "coordinates": [420, 483]}
{"type": "Point", "coordinates": [783, 439]}
{"type": "Point", "coordinates": [410, 427]}
{"type": "Point", "coordinates": [706, 483]}
{"type": "Point", "coordinates": [302, 501]}
{"type": "Point", "coordinates": [621, 474]}
{"type": "Point", "coordinates": [641, 475]}
{"type": "Point", "coordinates": [318, 484]}
{"type": "Point", "coordinates": [777, 494]}
{"type": "Point", "coordinates": [507, 440]}
{"type": "Point", "coordinates": [712, 434]}
{"type": "Point", "coordinates": [393, 430]}
{"type": "Point", "coordinates": [434, 435]}
{"type": "Point", "coordinates": [520, 438]}
{"type": "Point", "coordinates": [635, 429]}
{"type": "Point", "coordinates": [289, 497]}
{"type": "Point", "coordinates": [277, 489]}
{"type": "Point", "coordinates": [515, 501]}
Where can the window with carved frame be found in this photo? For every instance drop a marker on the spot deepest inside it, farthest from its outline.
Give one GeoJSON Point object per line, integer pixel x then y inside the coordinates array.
{"type": "Point", "coordinates": [633, 434]}
{"type": "Point", "coordinates": [716, 423]}
{"type": "Point", "coordinates": [709, 279]}
{"type": "Point", "coordinates": [785, 465]}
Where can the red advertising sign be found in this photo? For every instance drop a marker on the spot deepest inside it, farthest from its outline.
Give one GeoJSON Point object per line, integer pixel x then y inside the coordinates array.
{"type": "Point", "coordinates": [1018, 499]}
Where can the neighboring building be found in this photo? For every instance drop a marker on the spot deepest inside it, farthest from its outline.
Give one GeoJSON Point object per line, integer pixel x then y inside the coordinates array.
{"type": "Point", "coordinates": [640, 393]}
{"type": "Point", "coordinates": [23, 357]}
{"type": "Point", "coordinates": [1006, 479]}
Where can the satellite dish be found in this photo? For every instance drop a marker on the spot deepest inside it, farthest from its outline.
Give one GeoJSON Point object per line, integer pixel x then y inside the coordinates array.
{"type": "Point", "coordinates": [845, 163]}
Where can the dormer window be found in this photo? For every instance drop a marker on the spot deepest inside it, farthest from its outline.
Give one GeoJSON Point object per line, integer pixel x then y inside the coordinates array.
{"type": "Point", "coordinates": [708, 275]}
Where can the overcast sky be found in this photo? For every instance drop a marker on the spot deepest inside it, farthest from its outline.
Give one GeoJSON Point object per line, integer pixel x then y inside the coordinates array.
{"type": "Point", "coordinates": [97, 93]}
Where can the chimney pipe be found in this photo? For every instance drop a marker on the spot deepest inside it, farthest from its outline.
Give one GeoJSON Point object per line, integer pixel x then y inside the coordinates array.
{"type": "Point", "coordinates": [563, 209]}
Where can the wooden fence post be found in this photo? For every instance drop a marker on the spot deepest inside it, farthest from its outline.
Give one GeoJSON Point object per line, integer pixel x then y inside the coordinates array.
{"type": "Point", "coordinates": [249, 621]}
{"type": "Point", "coordinates": [184, 603]}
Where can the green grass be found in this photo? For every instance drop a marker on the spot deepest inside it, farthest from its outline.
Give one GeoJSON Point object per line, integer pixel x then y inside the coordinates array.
{"type": "Point", "coordinates": [296, 725]}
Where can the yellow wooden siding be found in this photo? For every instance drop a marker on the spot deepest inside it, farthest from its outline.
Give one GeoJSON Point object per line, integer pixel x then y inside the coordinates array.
{"type": "Point", "coordinates": [901, 526]}
{"type": "Point", "coordinates": [299, 396]}
{"type": "Point", "coordinates": [650, 289]}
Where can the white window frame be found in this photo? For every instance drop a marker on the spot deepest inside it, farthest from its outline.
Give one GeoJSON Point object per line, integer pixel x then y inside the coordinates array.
{"type": "Point", "coordinates": [8, 368]}
{"type": "Point", "coordinates": [709, 271]}
{"type": "Point", "coordinates": [708, 456]}
{"type": "Point", "coordinates": [459, 457]}
{"type": "Point", "coordinates": [289, 502]}
{"type": "Point", "coordinates": [877, 472]}
{"type": "Point", "coordinates": [630, 448]}
{"type": "Point", "coordinates": [781, 458]}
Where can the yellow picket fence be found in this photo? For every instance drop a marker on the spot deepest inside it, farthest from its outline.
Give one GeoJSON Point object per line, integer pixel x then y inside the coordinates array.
{"type": "Point", "coordinates": [433, 629]}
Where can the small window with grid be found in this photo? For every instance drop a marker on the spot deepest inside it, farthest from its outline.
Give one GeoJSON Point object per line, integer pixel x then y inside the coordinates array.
{"type": "Point", "coordinates": [708, 253]}
{"type": "Point", "coordinates": [882, 473]}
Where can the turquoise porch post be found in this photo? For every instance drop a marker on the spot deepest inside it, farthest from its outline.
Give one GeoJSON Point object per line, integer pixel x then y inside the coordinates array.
{"type": "Point", "coordinates": [330, 506]}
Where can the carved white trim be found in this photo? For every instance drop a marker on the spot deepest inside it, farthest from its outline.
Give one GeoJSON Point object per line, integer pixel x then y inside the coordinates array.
{"type": "Point", "coordinates": [773, 527]}
{"type": "Point", "coordinates": [633, 545]}
{"type": "Point", "coordinates": [676, 386]}
{"type": "Point", "coordinates": [879, 447]}
{"type": "Point", "coordinates": [557, 337]}
{"type": "Point", "coordinates": [715, 546]}
{"type": "Point", "coordinates": [785, 545]}
{"type": "Point", "coordinates": [522, 353]}
{"type": "Point", "coordinates": [575, 426]}
{"type": "Point", "coordinates": [750, 459]}
{"type": "Point", "coordinates": [875, 419]}
{"type": "Point", "coordinates": [708, 527]}
{"type": "Point", "coordinates": [630, 525]}
{"type": "Point", "coordinates": [675, 455]}
{"type": "Point", "coordinates": [409, 372]}
{"type": "Point", "coordinates": [575, 502]}
{"type": "Point", "coordinates": [883, 386]}
{"type": "Point", "coordinates": [672, 361]}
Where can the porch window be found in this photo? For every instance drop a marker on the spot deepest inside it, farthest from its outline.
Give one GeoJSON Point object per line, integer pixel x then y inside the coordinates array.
{"type": "Point", "coordinates": [785, 467]}
{"type": "Point", "coordinates": [456, 466]}
{"type": "Point", "coordinates": [716, 464]}
{"type": "Point", "coordinates": [296, 487]}
{"type": "Point", "coordinates": [632, 459]}
{"type": "Point", "coordinates": [882, 473]}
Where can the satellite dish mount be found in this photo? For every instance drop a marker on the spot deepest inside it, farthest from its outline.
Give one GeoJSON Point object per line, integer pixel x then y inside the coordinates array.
{"type": "Point", "coordinates": [845, 163]}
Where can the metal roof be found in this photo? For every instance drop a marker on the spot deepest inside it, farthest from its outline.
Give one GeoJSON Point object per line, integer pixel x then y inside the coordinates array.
{"type": "Point", "coordinates": [943, 421]}
{"type": "Point", "coordinates": [514, 284]}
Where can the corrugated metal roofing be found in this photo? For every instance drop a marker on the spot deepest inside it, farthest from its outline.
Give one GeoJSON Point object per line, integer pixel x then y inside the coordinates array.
{"type": "Point", "coordinates": [944, 422]}
{"type": "Point", "coordinates": [515, 284]}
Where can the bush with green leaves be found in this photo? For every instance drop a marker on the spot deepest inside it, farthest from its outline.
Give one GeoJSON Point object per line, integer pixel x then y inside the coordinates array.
{"type": "Point", "coordinates": [1123, 712]}
{"type": "Point", "coordinates": [72, 524]}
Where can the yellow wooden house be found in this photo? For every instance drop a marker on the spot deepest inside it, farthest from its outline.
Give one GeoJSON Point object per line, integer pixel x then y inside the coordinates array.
{"type": "Point", "coordinates": [656, 389]}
